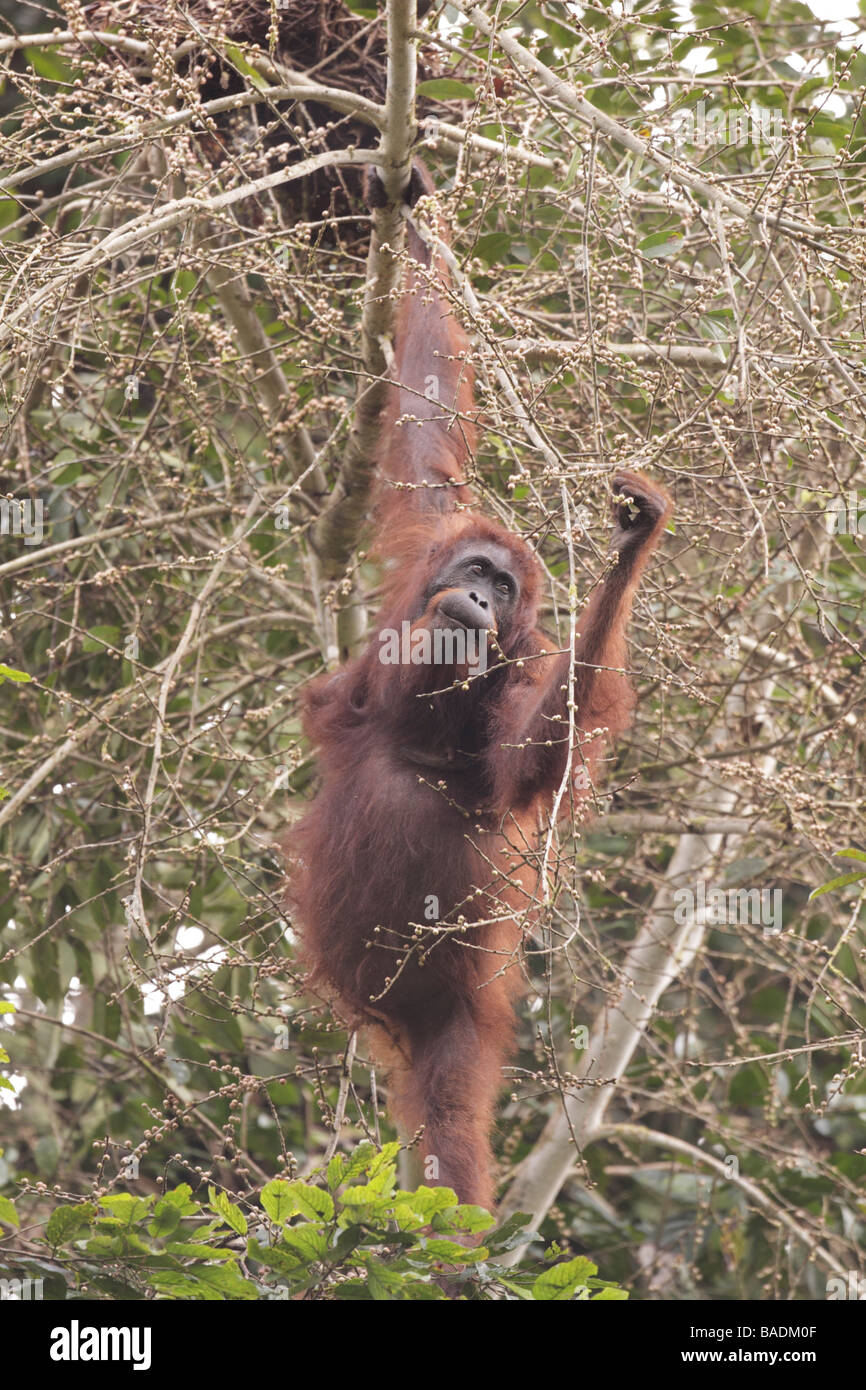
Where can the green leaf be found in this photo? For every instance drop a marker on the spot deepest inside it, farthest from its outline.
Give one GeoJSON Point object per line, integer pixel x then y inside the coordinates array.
{"type": "Point", "coordinates": [473, 1219]}
{"type": "Point", "coordinates": [352, 1290]}
{"type": "Point", "coordinates": [517, 1289]}
{"type": "Point", "coordinates": [452, 1252]}
{"type": "Point", "coordinates": [67, 474]}
{"type": "Point", "coordinates": [445, 88]}
{"type": "Point", "coordinates": [841, 882]}
{"type": "Point", "coordinates": [231, 1214]}
{"type": "Point", "coordinates": [106, 634]}
{"type": "Point", "coordinates": [195, 1250]}
{"type": "Point", "coordinates": [335, 1171]}
{"type": "Point", "coordinates": [47, 63]}
{"type": "Point", "coordinates": [383, 1281]}
{"type": "Point", "coordinates": [277, 1201]}
{"type": "Point", "coordinates": [66, 1222]}
{"type": "Point", "coordinates": [385, 1158]}
{"type": "Point", "coordinates": [661, 244]}
{"type": "Point", "coordinates": [282, 1200]}
{"type": "Point", "coordinates": [205, 1283]}
{"type": "Point", "coordinates": [347, 1241]}
{"type": "Point", "coordinates": [166, 1218]}
{"type": "Point", "coordinates": [748, 1087]}
{"type": "Point", "coordinates": [362, 1195]}
{"type": "Point", "coordinates": [360, 1160]}
{"type": "Point", "coordinates": [515, 1231]}
{"type": "Point", "coordinates": [494, 247]}
{"type": "Point", "coordinates": [123, 1207]}
{"type": "Point", "coordinates": [228, 1281]}
{"type": "Point", "coordinates": [308, 1240]}
{"type": "Point", "coordinates": [244, 68]}
{"type": "Point", "coordinates": [427, 1201]}
{"type": "Point", "coordinates": [312, 1202]}
{"type": "Point", "coordinates": [8, 1212]}
{"type": "Point", "coordinates": [562, 1281]}
{"type": "Point", "coordinates": [180, 1197]}
{"type": "Point", "coordinates": [8, 673]}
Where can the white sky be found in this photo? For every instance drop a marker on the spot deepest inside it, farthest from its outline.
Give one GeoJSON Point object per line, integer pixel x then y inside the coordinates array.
{"type": "Point", "coordinates": [833, 9]}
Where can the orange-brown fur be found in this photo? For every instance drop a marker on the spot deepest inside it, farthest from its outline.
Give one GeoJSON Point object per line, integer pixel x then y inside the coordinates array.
{"type": "Point", "coordinates": [436, 792]}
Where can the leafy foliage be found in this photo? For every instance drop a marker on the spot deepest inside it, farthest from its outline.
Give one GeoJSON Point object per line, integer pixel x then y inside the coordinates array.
{"type": "Point", "coordinates": [358, 1237]}
{"type": "Point", "coordinates": [156, 635]}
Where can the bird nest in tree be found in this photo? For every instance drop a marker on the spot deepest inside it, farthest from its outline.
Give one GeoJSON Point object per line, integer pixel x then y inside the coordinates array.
{"type": "Point", "coordinates": [322, 35]}
{"type": "Point", "coordinates": [322, 38]}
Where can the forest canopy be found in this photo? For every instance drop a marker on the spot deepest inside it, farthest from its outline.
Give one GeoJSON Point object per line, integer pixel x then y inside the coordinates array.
{"type": "Point", "coordinates": [659, 247]}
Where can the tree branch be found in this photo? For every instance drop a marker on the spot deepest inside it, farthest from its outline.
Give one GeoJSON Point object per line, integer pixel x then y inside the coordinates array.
{"type": "Point", "coordinates": [676, 170]}
{"type": "Point", "coordinates": [336, 532]}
